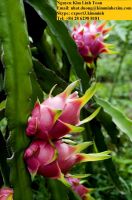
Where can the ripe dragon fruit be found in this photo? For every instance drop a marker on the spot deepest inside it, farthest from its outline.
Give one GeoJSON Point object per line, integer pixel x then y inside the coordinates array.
{"type": "Point", "coordinates": [89, 39]}
{"type": "Point", "coordinates": [48, 155]}
{"type": "Point", "coordinates": [59, 115]}
{"type": "Point", "coordinates": [55, 159]}
{"type": "Point", "coordinates": [6, 193]}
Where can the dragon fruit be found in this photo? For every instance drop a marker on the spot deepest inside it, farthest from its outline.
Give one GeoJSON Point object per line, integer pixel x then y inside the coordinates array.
{"type": "Point", "coordinates": [69, 155]}
{"type": "Point", "coordinates": [6, 193]}
{"type": "Point", "coordinates": [39, 153]}
{"type": "Point", "coordinates": [48, 155]}
{"type": "Point", "coordinates": [54, 160]}
{"type": "Point", "coordinates": [59, 115]}
{"type": "Point", "coordinates": [89, 38]}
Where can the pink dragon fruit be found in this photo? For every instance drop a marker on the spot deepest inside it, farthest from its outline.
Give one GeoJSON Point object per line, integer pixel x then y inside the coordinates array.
{"type": "Point", "coordinates": [69, 155]}
{"type": "Point", "coordinates": [6, 193]}
{"type": "Point", "coordinates": [59, 115]}
{"type": "Point", "coordinates": [41, 158]}
{"type": "Point", "coordinates": [55, 160]}
{"type": "Point", "coordinates": [89, 39]}
{"type": "Point", "coordinates": [39, 153]}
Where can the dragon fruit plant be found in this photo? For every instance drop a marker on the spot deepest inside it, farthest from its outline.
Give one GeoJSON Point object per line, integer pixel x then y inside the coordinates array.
{"type": "Point", "coordinates": [89, 38]}
{"type": "Point", "coordinates": [51, 120]}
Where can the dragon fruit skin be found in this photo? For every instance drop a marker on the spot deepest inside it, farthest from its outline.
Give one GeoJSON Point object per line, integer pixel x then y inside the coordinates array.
{"type": "Point", "coordinates": [53, 160]}
{"type": "Point", "coordinates": [59, 115]}
{"type": "Point", "coordinates": [45, 159]}
{"type": "Point", "coordinates": [89, 39]}
{"type": "Point", "coordinates": [39, 153]}
{"type": "Point", "coordinates": [6, 193]}
{"type": "Point", "coordinates": [69, 155]}
{"type": "Point", "coordinates": [41, 121]}
{"type": "Point", "coordinates": [66, 156]}
{"type": "Point", "coordinates": [42, 158]}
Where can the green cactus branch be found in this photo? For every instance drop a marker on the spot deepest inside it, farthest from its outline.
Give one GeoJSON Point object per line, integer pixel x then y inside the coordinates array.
{"type": "Point", "coordinates": [3, 162]}
{"type": "Point", "coordinates": [18, 63]}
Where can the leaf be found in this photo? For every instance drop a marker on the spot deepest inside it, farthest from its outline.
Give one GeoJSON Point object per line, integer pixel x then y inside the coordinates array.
{"type": "Point", "coordinates": [58, 190]}
{"type": "Point", "coordinates": [2, 114]}
{"type": "Point", "coordinates": [122, 122]}
{"type": "Point", "coordinates": [111, 129]}
{"type": "Point", "coordinates": [2, 105]}
{"type": "Point", "coordinates": [34, 22]}
{"type": "Point", "coordinates": [47, 53]}
{"type": "Point", "coordinates": [90, 117]}
{"type": "Point", "coordinates": [66, 66]}
{"type": "Point", "coordinates": [2, 109]}
{"type": "Point", "coordinates": [101, 146]}
{"type": "Point", "coordinates": [48, 78]}
{"type": "Point", "coordinates": [37, 91]}
{"type": "Point", "coordinates": [73, 196]}
{"type": "Point", "coordinates": [48, 14]}
{"type": "Point", "coordinates": [80, 176]}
